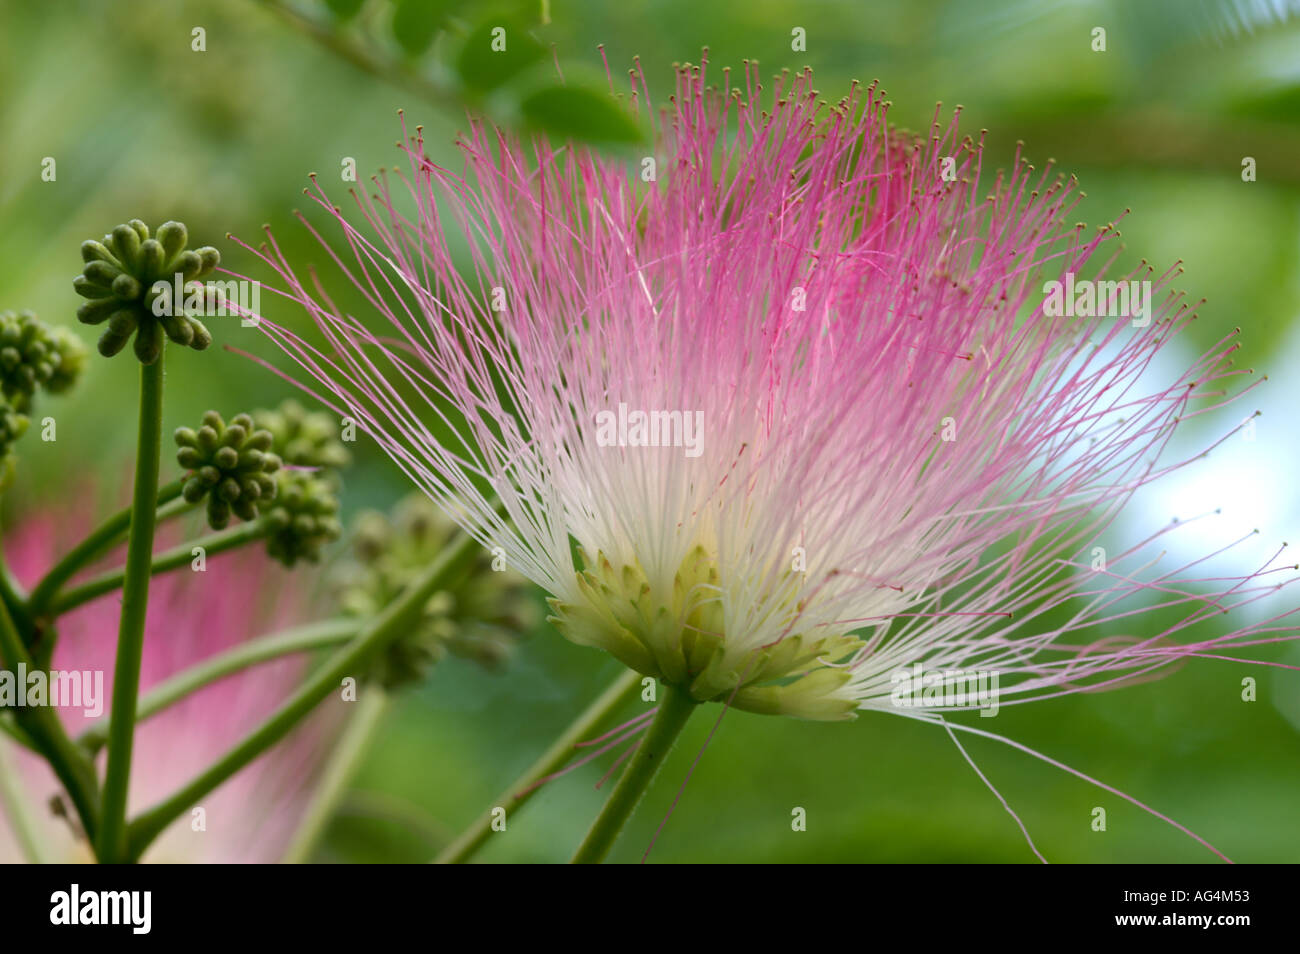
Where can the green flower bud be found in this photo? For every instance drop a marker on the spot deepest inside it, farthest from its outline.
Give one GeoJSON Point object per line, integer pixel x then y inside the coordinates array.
{"type": "Point", "coordinates": [30, 355]}
{"type": "Point", "coordinates": [12, 426]}
{"type": "Point", "coordinates": [372, 534]}
{"type": "Point", "coordinates": [304, 438]}
{"type": "Point", "coordinates": [129, 281]}
{"type": "Point", "coordinates": [230, 464]}
{"type": "Point", "coordinates": [72, 361]}
{"type": "Point", "coordinates": [302, 517]}
{"type": "Point", "coordinates": [480, 618]}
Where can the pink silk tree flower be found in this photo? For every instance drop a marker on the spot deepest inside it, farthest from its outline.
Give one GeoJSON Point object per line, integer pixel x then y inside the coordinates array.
{"type": "Point", "coordinates": [787, 413]}
{"type": "Point", "coordinates": [192, 616]}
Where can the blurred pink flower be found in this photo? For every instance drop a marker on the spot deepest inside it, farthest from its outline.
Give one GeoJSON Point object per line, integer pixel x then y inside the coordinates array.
{"type": "Point", "coordinates": [192, 616]}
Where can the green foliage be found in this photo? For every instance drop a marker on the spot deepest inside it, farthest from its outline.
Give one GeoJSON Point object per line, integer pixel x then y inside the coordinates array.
{"type": "Point", "coordinates": [344, 10]}
{"type": "Point", "coordinates": [491, 61]}
{"type": "Point", "coordinates": [579, 113]}
{"type": "Point", "coordinates": [416, 23]}
{"type": "Point", "coordinates": [494, 53]}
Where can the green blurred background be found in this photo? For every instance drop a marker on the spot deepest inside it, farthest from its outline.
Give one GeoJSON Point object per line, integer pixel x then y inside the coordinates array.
{"type": "Point", "coordinates": [141, 125]}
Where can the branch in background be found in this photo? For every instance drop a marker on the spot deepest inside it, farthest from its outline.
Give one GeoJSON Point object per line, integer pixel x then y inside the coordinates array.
{"type": "Point", "coordinates": [275, 646]}
{"type": "Point", "coordinates": [172, 559]}
{"type": "Point", "coordinates": [500, 68]}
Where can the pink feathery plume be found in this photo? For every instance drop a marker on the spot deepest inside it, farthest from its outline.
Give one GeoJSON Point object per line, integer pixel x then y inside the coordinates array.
{"type": "Point", "coordinates": [192, 616]}
{"type": "Point", "coordinates": [794, 387]}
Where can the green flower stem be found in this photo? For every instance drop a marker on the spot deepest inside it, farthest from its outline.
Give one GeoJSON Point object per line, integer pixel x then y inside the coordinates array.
{"type": "Point", "coordinates": [675, 707]}
{"type": "Point", "coordinates": [11, 591]}
{"type": "Point", "coordinates": [342, 767]}
{"type": "Point", "coordinates": [11, 595]}
{"type": "Point", "coordinates": [518, 793]}
{"type": "Point", "coordinates": [15, 601]}
{"type": "Point", "coordinates": [350, 660]}
{"type": "Point", "coordinates": [168, 560]}
{"type": "Point", "coordinates": [172, 507]}
{"type": "Point", "coordinates": [103, 537]}
{"type": "Point", "coordinates": [301, 639]}
{"type": "Point", "coordinates": [110, 845]}
{"type": "Point", "coordinates": [16, 809]}
{"type": "Point", "coordinates": [42, 726]}
{"type": "Point", "coordinates": [16, 732]}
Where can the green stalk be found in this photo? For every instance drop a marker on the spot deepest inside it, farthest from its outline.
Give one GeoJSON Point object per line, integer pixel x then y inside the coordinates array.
{"type": "Point", "coordinates": [101, 539]}
{"type": "Point", "coordinates": [15, 601]}
{"type": "Point", "coordinates": [11, 728]}
{"type": "Point", "coordinates": [111, 843]}
{"type": "Point", "coordinates": [11, 591]}
{"type": "Point", "coordinates": [167, 693]}
{"type": "Point", "coordinates": [675, 707]}
{"type": "Point", "coordinates": [171, 504]}
{"type": "Point", "coordinates": [518, 793]}
{"type": "Point", "coordinates": [351, 660]}
{"type": "Point", "coordinates": [168, 560]}
{"type": "Point", "coordinates": [42, 726]}
{"type": "Point", "coordinates": [343, 765]}
{"type": "Point", "coordinates": [16, 808]}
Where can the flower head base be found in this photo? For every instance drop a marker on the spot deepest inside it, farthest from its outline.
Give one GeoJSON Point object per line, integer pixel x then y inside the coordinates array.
{"type": "Point", "coordinates": [303, 438]}
{"type": "Point", "coordinates": [127, 273]}
{"type": "Point", "coordinates": [32, 355]}
{"type": "Point", "coordinates": [679, 637]}
{"type": "Point", "coordinates": [231, 466]}
{"type": "Point", "coordinates": [477, 619]}
{"type": "Point", "coordinates": [301, 516]}
{"type": "Point", "coordinates": [906, 455]}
